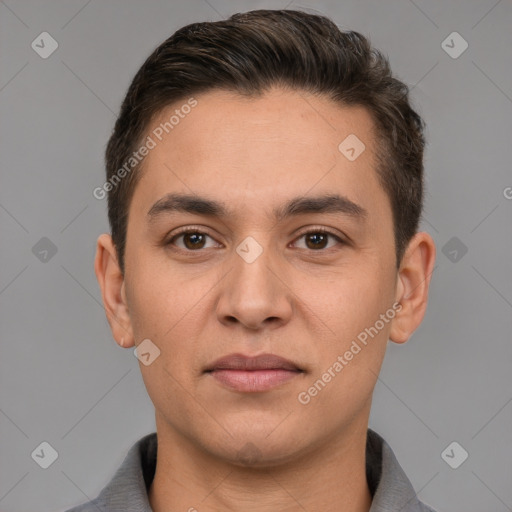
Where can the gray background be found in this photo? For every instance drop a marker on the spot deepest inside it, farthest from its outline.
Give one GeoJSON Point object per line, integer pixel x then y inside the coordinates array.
{"type": "Point", "coordinates": [63, 378]}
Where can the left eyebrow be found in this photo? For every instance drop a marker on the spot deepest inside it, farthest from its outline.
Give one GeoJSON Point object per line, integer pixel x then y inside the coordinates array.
{"type": "Point", "coordinates": [331, 203]}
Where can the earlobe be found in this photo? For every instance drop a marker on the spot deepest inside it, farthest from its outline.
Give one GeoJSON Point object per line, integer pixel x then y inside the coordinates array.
{"type": "Point", "coordinates": [413, 282]}
{"type": "Point", "coordinates": [111, 282]}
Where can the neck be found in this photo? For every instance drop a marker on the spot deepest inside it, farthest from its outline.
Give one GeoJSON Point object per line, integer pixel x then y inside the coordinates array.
{"type": "Point", "coordinates": [330, 478]}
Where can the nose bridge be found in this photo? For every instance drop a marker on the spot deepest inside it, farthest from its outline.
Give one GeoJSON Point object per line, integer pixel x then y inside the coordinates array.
{"type": "Point", "coordinates": [252, 265]}
{"type": "Point", "coordinates": [253, 293]}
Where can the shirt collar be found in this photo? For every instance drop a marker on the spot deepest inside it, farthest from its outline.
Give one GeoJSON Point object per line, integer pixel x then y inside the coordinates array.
{"type": "Point", "coordinates": [390, 488]}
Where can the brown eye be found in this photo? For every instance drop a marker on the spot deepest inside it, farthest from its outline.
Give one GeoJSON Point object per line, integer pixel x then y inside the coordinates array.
{"type": "Point", "coordinates": [192, 240]}
{"type": "Point", "coordinates": [318, 239]}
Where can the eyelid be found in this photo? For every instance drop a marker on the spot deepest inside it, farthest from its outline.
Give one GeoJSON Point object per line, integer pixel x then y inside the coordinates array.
{"type": "Point", "coordinates": [321, 229]}
{"type": "Point", "coordinates": [188, 229]}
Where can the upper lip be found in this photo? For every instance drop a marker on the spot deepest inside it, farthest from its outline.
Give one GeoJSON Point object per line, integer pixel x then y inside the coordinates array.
{"type": "Point", "coordinates": [261, 362]}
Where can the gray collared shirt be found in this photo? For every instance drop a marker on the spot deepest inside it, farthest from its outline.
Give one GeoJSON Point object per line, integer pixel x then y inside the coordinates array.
{"type": "Point", "coordinates": [127, 491]}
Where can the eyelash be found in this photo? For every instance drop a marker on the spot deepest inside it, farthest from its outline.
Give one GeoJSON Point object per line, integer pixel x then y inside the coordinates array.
{"type": "Point", "coordinates": [184, 231]}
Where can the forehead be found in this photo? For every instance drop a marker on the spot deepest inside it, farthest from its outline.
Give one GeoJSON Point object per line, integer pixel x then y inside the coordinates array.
{"type": "Point", "coordinates": [254, 151]}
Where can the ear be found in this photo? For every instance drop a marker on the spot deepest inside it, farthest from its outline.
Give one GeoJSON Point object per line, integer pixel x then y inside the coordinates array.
{"type": "Point", "coordinates": [111, 281]}
{"type": "Point", "coordinates": [413, 282]}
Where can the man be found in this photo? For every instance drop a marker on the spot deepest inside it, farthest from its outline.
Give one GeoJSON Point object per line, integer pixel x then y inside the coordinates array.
{"type": "Point", "coordinates": [265, 185]}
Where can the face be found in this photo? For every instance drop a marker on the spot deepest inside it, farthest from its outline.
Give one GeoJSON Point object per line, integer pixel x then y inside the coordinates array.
{"type": "Point", "coordinates": [305, 285]}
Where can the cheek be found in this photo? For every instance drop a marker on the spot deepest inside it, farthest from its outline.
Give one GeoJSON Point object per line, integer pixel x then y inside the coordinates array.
{"type": "Point", "coordinates": [354, 341]}
{"type": "Point", "coordinates": [171, 309]}
{"type": "Point", "coordinates": [351, 300]}
{"type": "Point", "coordinates": [160, 296]}
{"type": "Point", "coordinates": [351, 350]}
{"type": "Point", "coordinates": [166, 311]}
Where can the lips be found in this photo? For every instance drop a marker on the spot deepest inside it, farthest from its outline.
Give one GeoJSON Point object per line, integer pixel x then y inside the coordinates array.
{"type": "Point", "coordinates": [253, 374]}
{"type": "Point", "coordinates": [248, 363]}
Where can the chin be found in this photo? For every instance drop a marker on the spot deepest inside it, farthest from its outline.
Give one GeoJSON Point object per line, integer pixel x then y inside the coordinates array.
{"type": "Point", "coordinates": [253, 450]}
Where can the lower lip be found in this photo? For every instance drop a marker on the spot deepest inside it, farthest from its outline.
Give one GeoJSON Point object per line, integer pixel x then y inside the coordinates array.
{"type": "Point", "coordinates": [252, 381]}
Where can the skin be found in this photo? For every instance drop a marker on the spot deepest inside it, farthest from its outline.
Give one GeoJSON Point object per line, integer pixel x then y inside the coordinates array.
{"type": "Point", "coordinates": [301, 301]}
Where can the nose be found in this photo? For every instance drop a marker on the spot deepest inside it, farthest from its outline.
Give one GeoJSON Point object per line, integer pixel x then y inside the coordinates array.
{"type": "Point", "coordinates": [255, 294]}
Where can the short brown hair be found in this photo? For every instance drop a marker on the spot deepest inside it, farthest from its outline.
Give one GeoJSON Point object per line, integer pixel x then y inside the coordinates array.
{"type": "Point", "coordinates": [251, 52]}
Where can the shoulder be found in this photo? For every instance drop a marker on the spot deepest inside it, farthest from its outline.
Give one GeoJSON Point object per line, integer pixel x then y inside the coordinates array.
{"type": "Point", "coordinates": [86, 507]}
{"type": "Point", "coordinates": [392, 488]}
{"type": "Point", "coordinates": [127, 489]}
